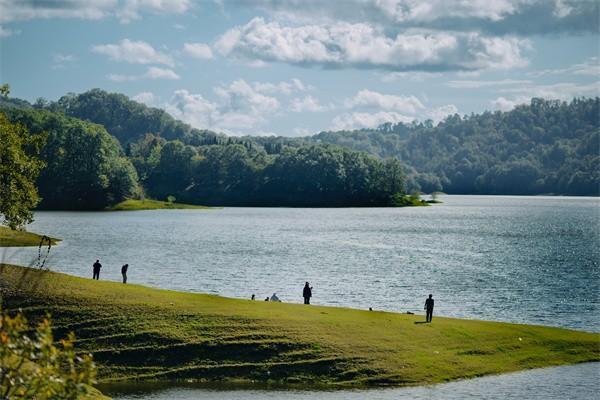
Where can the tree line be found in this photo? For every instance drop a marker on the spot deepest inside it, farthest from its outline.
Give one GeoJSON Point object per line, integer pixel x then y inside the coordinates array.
{"type": "Point", "coordinates": [546, 146]}
{"type": "Point", "coordinates": [101, 148]}
{"type": "Point", "coordinates": [87, 168]}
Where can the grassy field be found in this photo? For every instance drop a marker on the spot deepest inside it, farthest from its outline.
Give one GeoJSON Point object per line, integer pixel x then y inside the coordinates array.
{"type": "Point", "coordinates": [10, 238]}
{"type": "Point", "coordinates": [135, 205]}
{"type": "Point", "coordinates": [141, 333]}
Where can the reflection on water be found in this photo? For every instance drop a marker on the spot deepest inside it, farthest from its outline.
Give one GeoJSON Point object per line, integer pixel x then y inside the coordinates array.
{"type": "Point", "coordinates": [578, 382]}
{"type": "Point", "coordinates": [521, 259]}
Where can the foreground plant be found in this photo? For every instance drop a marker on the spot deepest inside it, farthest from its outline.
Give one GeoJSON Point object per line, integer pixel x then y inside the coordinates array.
{"type": "Point", "coordinates": [33, 367]}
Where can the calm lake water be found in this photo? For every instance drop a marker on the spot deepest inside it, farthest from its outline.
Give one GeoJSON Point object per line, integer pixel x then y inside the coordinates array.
{"type": "Point", "coordinates": [520, 259]}
{"type": "Point", "coordinates": [578, 382]}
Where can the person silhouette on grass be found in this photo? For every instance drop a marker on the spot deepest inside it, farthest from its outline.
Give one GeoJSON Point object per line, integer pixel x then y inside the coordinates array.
{"type": "Point", "coordinates": [124, 272]}
{"type": "Point", "coordinates": [307, 293]}
{"type": "Point", "coordinates": [429, 308]}
{"type": "Point", "coordinates": [96, 267]}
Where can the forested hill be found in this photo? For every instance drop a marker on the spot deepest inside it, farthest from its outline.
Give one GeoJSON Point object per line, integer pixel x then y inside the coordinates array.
{"type": "Point", "coordinates": [87, 168]}
{"type": "Point", "coordinates": [543, 147]}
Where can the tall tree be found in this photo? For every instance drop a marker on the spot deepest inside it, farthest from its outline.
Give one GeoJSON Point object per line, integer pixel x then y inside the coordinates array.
{"type": "Point", "coordinates": [19, 169]}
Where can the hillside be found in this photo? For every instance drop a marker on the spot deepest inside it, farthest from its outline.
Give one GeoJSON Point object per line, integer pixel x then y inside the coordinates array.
{"type": "Point", "coordinates": [546, 147]}
{"type": "Point", "coordinates": [135, 332]}
{"type": "Point", "coordinates": [543, 147]}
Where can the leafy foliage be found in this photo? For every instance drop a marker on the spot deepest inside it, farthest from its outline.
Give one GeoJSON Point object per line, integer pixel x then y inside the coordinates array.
{"type": "Point", "coordinates": [85, 166]}
{"type": "Point", "coordinates": [33, 367]}
{"type": "Point", "coordinates": [129, 120]}
{"type": "Point", "coordinates": [543, 147]}
{"type": "Point", "coordinates": [19, 169]}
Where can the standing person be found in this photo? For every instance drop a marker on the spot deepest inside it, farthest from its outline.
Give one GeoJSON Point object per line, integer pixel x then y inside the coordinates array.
{"type": "Point", "coordinates": [307, 293]}
{"type": "Point", "coordinates": [124, 272]}
{"type": "Point", "coordinates": [429, 308]}
{"type": "Point", "coordinates": [97, 266]}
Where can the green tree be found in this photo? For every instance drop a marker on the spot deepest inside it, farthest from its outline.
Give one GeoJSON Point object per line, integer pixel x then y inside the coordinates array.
{"type": "Point", "coordinates": [19, 169]}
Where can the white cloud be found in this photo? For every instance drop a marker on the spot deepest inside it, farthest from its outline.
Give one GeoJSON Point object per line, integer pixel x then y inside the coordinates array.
{"type": "Point", "coordinates": [306, 104]}
{"type": "Point", "coordinates": [591, 66]}
{"type": "Point", "coordinates": [476, 84]}
{"type": "Point", "coordinates": [287, 88]}
{"type": "Point", "coordinates": [193, 109]}
{"type": "Point", "coordinates": [125, 10]}
{"type": "Point", "coordinates": [239, 96]}
{"type": "Point", "coordinates": [526, 17]}
{"type": "Point", "coordinates": [134, 52]}
{"type": "Point", "coordinates": [359, 120]}
{"type": "Point", "coordinates": [504, 104]}
{"type": "Point", "coordinates": [151, 73]}
{"type": "Point", "coordinates": [558, 91]}
{"type": "Point", "coordinates": [147, 98]}
{"type": "Point", "coordinates": [238, 107]}
{"type": "Point", "coordinates": [438, 114]}
{"type": "Point", "coordinates": [198, 50]}
{"type": "Point", "coordinates": [372, 99]}
{"type": "Point", "coordinates": [387, 108]}
{"type": "Point", "coordinates": [342, 45]}
{"type": "Point", "coordinates": [561, 91]}
{"type": "Point", "coordinates": [132, 9]}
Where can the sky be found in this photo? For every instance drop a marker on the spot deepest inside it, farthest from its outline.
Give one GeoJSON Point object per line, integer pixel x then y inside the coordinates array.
{"type": "Point", "coordinates": [298, 67]}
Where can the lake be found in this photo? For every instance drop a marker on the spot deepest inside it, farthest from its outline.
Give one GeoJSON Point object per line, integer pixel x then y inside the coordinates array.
{"type": "Point", "coordinates": [577, 382]}
{"type": "Point", "coordinates": [520, 259]}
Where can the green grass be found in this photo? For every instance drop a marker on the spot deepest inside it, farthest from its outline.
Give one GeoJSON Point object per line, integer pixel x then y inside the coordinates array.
{"type": "Point", "coordinates": [140, 333]}
{"type": "Point", "coordinates": [135, 205]}
{"type": "Point", "coordinates": [11, 238]}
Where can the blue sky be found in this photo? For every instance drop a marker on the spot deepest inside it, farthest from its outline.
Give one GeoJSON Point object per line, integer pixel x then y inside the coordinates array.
{"type": "Point", "coordinates": [295, 67]}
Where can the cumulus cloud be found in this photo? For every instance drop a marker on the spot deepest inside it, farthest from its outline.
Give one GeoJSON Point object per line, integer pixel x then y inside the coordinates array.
{"type": "Point", "coordinates": [132, 9]}
{"type": "Point", "coordinates": [372, 99]}
{"type": "Point", "coordinates": [371, 109]}
{"type": "Point", "coordinates": [307, 104]}
{"type": "Point", "coordinates": [193, 109]}
{"type": "Point", "coordinates": [134, 52]}
{"type": "Point", "coordinates": [360, 45]}
{"type": "Point", "coordinates": [238, 107]}
{"type": "Point", "coordinates": [503, 104]}
{"type": "Point", "coordinates": [557, 91]}
{"type": "Point", "coordinates": [522, 17]}
{"type": "Point", "coordinates": [360, 120]}
{"type": "Point", "coordinates": [151, 73]}
{"type": "Point", "coordinates": [287, 88]}
{"type": "Point", "coordinates": [440, 113]}
{"type": "Point", "coordinates": [198, 50]}
{"type": "Point", "coordinates": [147, 98]}
{"type": "Point", "coordinates": [125, 10]}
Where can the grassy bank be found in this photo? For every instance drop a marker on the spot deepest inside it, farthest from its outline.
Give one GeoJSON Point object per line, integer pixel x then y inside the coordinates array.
{"type": "Point", "coordinates": [136, 205]}
{"type": "Point", "coordinates": [11, 238]}
{"type": "Point", "coordinates": [141, 333]}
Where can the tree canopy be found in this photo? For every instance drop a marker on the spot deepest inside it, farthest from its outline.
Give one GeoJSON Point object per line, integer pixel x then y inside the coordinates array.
{"type": "Point", "coordinates": [19, 169]}
{"type": "Point", "coordinates": [85, 167]}
{"type": "Point", "coordinates": [544, 147]}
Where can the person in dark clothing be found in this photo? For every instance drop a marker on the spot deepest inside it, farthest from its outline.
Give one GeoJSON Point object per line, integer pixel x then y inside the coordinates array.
{"type": "Point", "coordinates": [429, 308]}
{"type": "Point", "coordinates": [97, 266]}
{"type": "Point", "coordinates": [307, 293]}
{"type": "Point", "coordinates": [124, 272]}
